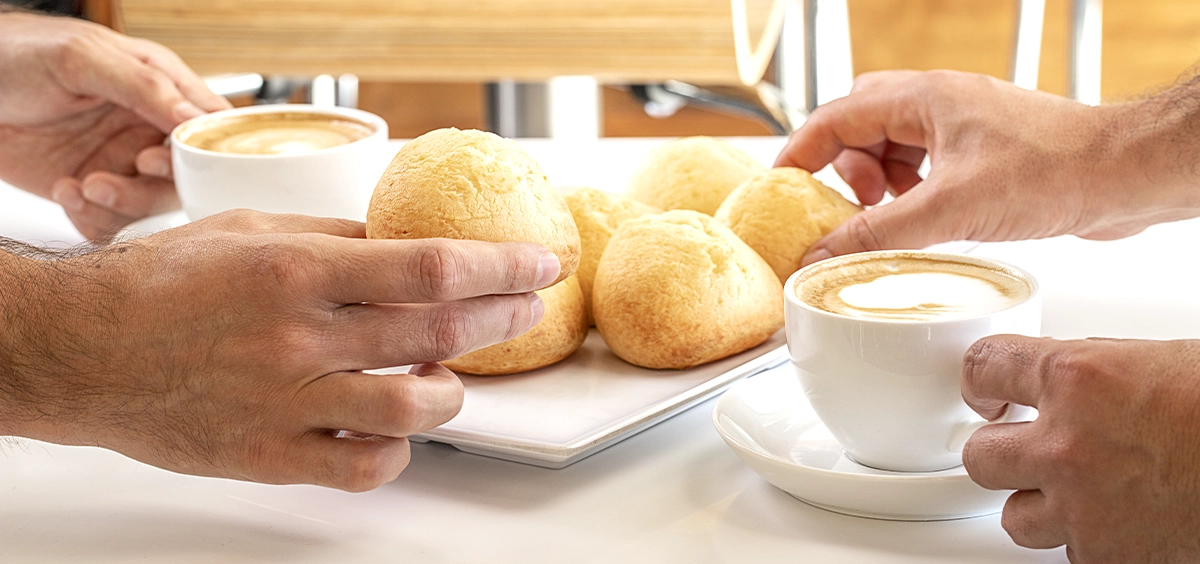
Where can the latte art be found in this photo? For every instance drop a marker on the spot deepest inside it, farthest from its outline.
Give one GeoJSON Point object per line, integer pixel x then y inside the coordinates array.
{"type": "Point", "coordinates": [910, 288]}
{"type": "Point", "coordinates": [276, 133]}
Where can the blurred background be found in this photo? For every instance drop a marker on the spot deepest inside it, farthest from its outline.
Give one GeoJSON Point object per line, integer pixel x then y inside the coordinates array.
{"type": "Point", "coordinates": [1145, 46]}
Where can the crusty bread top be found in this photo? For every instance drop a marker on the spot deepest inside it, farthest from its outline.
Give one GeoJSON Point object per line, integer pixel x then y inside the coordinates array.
{"type": "Point", "coordinates": [692, 173]}
{"type": "Point", "coordinates": [471, 185]}
{"type": "Point", "coordinates": [783, 211]}
{"type": "Point", "coordinates": [679, 289]}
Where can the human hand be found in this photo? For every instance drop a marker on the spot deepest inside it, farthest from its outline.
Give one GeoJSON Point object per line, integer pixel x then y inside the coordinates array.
{"type": "Point", "coordinates": [1007, 163]}
{"type": "Point", "coordinates": [83, 114]}
{"type": "Point", "coordinates": [233, 346]}
{"type": "Point", "coordinates": [1111, 467]}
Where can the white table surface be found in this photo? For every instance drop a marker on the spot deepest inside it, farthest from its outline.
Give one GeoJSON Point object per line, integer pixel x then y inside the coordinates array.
{"type": "Point", "coordinates": [674, 493]}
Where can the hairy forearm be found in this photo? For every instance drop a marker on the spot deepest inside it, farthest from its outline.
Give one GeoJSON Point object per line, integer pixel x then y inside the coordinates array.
{"type": "Point", "coordinates": [17, 286]}
{"type": "Point", "coordinates": [1157, 141]}
{"type": "Point", "coordinates": [43, 310]}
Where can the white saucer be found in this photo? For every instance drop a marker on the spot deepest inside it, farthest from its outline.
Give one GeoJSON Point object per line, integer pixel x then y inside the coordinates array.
{"type": "Point", "coordinates": [769, 424]}
{"type": "Point", "coordinates": [153, 224]}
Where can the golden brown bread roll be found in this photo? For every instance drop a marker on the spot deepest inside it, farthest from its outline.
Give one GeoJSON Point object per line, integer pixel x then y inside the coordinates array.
{"type": "Point", "coordinates": [597, 215]}
{"type": "Point", "coordinates": [781, 213]}
{"type": "Point", "coordinates": [679, 289]}
{"type": "Point", "coordinates": [693, 173]}
{"type": "Point", "coordinates": [471, 185]}
{"type": "Point", "coordinates": [561, 332]}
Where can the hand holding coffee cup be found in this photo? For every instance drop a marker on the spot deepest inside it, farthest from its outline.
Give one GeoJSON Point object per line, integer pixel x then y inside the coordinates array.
{"type": "Point", "coordinates": [281, 159]}
{"type": "Point", "coordinates": [878, 338]}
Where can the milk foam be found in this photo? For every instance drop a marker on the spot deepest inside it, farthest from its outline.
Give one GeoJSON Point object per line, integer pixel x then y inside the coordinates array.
{"type": "Point", "coordinates": [923, 295]}
{"type": "Point", "coordinates": [910, 287]}
{"type": "Point", "coordinates": [275, 133]}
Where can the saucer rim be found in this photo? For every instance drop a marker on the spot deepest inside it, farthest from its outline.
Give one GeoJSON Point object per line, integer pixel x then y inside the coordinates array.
{"type": "Point", "coordinates": [955, 473]}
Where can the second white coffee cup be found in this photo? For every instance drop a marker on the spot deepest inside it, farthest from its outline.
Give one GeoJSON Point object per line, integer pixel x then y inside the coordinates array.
{"type": "Point", "coordinates": [889, 389]}
{"type": "Point", "coordinates": [330, 182]}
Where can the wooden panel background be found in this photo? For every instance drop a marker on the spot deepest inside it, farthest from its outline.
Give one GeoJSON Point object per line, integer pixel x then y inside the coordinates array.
{"type": "Point", "coordinates": [1147, 45]}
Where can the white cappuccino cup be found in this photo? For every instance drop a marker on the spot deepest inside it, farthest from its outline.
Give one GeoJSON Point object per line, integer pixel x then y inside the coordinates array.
{"type": "Point", "coordinates": [288, 158]}
{"type": "Point", "coordinates": [877, 340]}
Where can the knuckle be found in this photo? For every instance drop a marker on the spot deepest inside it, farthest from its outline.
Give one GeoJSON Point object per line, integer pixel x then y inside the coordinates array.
{"type": "Point", "coordinates": [520, 316]}
{"type": "Point", "coordinates": [451, 332]}
{"type": "Point", "coordinates": [976, 359]}
{"type": "Point", "coordinates": [1070, 368]}
{"type": "Point", "coordinates": [861, 230]}
{"type": "Point", "coordinates": [285, 264]}
{"type": "Point", "coordinates": [439, 270]}
{"type": "Point", "coordinates": [407, 413]}
{"type": "Point", "coordinates": [368, 471]}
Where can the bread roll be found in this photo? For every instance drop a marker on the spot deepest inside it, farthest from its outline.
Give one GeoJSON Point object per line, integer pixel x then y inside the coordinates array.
{"type": "Point", "coordinates": [561, 332]}
{"type": "Point", "coordinates": [781, 213]}
{"type": "Point", "coordinates": [693, 173]}
{"type": "Point", "coordinates": [679, 289]}
{"type": "Point", "coordinates": [597, 215]}
{"type": "Point", "coordinates": [471, 185]}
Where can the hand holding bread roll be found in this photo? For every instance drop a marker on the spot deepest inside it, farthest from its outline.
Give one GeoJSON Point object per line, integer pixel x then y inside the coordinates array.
{"type": "Point", "coordinates": [562, 330]}
{"type": "Point", "coordinates": [781, 213]}
{"type": "Point", "coordinates": [472, 185]}
{"type": "Point", "coordinates": [679, 289]}
{"type": "Point", "coordinates": [692, 173]}
{"type": "Point", "coordinates": [597, 215]}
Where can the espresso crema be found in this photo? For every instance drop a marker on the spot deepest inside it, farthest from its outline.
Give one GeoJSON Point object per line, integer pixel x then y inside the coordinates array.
{"type": "Point", "coordinates": [276, 133]}
{"type": "Point", "coordinates": [909, 287]}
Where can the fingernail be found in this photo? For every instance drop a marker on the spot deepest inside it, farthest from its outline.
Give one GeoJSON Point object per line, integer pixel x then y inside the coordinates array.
{"type": "Point", "coordinates": [548, 269]}
{"type": "Point", "coordinates": [537, 308]}
{"type": "Point", "coordinates": [817, 255]}
{"type": "Point", "coordinates": [68, 198]}
{"type": "Point", "coordinates": [187, 110]}
{"type": "Point", "coordinates": [100, 193]}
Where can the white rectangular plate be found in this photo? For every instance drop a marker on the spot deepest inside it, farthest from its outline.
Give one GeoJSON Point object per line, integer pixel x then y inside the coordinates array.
{"type": "Point", "coordinates": [557, 415]}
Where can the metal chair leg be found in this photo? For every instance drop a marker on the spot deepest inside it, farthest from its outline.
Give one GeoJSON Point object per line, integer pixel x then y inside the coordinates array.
{"type": "Point", "coordinates": [1027, 51]}
{"type": "Point", "coordinates": [1086, 38]}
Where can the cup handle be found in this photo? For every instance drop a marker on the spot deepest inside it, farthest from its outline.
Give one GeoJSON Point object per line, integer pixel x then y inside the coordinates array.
{"type": "Point", "coordinates": [1013, 413]}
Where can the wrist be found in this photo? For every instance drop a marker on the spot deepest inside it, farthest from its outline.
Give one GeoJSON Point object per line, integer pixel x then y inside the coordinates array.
{"type": "Point", "coordinates": [16, 279]}
{"type": "Point", "coordinates": [1154, 151]}
{"type": "Point", "coordinates": [34, 349]}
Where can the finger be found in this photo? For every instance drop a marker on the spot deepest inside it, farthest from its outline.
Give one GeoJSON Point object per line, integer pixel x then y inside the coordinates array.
{"type": "Point", "coordinates": [155, 161]}
{"type": "Point", "coordinates": [900, 165]}
{"type": "Point", "coordinates": [857, 121]}
{"type": "Point", "coordinates": [381, 336]}
{"type": "Point", "coordinates": [1030, 521]}
{"type": "Point", "coordinates": [165, 60]}
{"type": "Point", "coordinates": [1005, 369]}
{"type": "Point", "coordinates": [878, 80]}
{"type": "Point", "coordinates": [94, 222]}
{"type": "Point", "coordinates": [251, 222]}
{"type": "Point", "coordinates": [391, 405]}
{"type": "Point", "coordinates": [998, 457]}
{"type": "Point", "coordinates": [435, 270]}
{"type": "Point", "coordinates": [123, 79]}
{"type": "Point", "coordinates": [351, 464]}
{"type": "Point", "coordinates": [915, 221]}
{"type": "Point", "coordinates": [134, 197]}
{"type": "Point", "coordinates": [863, 172]}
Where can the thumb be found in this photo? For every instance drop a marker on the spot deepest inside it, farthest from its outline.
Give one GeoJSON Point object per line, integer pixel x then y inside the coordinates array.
{"type": "Point", "coordinates": [127, 81]}
{"type": "Point", "coordinates": [914, 220]}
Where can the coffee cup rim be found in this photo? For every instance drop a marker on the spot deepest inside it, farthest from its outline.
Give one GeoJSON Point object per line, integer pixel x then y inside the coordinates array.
{"type": "Point", "coordinates": [792, 299]}
{"type": "Point", "coordinates": [378, 124]}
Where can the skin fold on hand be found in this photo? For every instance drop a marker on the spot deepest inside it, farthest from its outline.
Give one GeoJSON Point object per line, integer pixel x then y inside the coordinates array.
{"type": "Point", "coordinates": [234, 346]}
{"type": "Point", "coordinates": [1006, 163]}
{"type": "Point", "coordinates": [83, 114]}
{"type": "Point", "coordinates": [1111, 467]}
